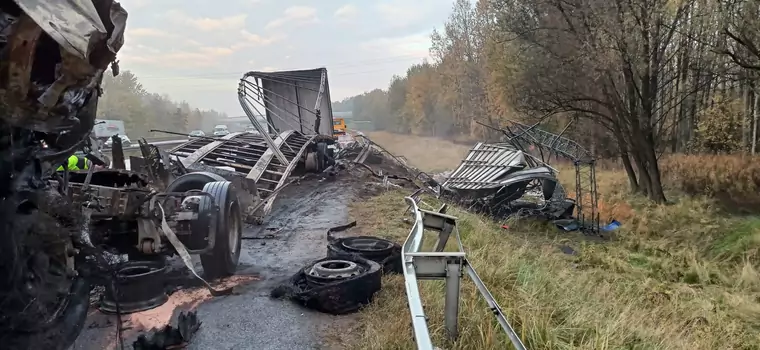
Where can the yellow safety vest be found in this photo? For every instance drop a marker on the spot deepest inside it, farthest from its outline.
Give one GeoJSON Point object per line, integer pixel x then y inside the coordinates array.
{"type": "Point", "coordinates": [75, 163]}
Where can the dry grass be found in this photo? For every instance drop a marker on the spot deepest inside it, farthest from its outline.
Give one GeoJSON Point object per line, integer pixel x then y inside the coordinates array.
{"type": "Point", "coordinates": [734, 181]}
{"type": "Point", "coordinates": [426, 153]}
{"type": "Point", "coordinates": [679, 276]}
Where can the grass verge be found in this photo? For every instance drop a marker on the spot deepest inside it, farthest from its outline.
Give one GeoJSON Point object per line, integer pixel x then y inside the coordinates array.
{"type": "Point", "coordinates": [426, 153]}
{"type": "Point", "coordinates": [681, 276]}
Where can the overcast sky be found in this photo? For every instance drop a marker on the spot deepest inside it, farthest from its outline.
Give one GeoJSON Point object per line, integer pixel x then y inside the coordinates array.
{"type": "Point", "coordinates": [196, 50]}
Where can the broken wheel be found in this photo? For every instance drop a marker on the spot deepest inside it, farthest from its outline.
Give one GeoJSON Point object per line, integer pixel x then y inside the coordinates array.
{"type": "Point", "coordinates": [139, 287]}
{"type": "Point", "coordinates": [336, 285]}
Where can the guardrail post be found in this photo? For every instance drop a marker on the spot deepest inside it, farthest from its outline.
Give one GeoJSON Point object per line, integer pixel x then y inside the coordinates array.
{"type": "Point", "coordinates": [440, 265]}
{"type": "Point", "coordinates": [453, 280]}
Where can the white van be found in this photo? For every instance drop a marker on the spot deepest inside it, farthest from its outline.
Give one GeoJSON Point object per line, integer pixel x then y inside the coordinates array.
{"type": "Point", "coordinates": [221, 130]}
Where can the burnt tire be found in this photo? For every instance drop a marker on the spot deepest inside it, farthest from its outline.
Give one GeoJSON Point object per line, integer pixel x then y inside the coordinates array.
{"type": "Point", "coordinates": [228, 229]}
{"type": "Point", "coordinates": [382, 251]}
{"type": "Point", "coordinates": [337, 298]}
{"type": "Point", "coordinates": [40, 331]}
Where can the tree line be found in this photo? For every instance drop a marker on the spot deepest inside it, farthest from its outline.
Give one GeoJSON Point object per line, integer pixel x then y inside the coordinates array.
{"type": "Point", "coordinates": [637, 78]}
{"type": "Point", "coordinates": [124, 98]}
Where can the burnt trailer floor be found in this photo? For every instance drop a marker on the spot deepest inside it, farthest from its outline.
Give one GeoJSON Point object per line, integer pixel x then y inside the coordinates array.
{"type": "Point", "coordinates": [249, 156]}
{"type": "Point", "coordinates": [293, 235]}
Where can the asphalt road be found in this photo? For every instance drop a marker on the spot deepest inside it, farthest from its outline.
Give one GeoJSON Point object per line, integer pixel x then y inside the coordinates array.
{"type": "Point", "coordinates": [294, 234]}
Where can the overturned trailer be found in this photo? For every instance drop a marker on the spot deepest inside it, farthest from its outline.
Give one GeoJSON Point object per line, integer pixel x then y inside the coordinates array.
{"type": "Point", "coordinates": [504, 179]}
{"type": "Point", "coordinates": [293, 139]}
{"type": "Point", "coordinates": [291, 100]}
{"type": "Point", "coordinates": [501, 180]}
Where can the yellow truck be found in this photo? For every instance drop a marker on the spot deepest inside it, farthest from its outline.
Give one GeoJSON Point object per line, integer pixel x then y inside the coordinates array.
{"type": "Point", "coordinates": [339, 127]}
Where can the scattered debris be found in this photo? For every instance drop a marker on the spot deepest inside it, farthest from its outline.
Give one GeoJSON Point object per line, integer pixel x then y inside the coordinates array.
{"type": "Point", "coordinates": [612, 226]}
{"type": "Point", "coordinates": [170, 337]}
{"type": "Point", "coordinates": [566, 249]}
{"type": "Point", "coordinates": [337, 285]}
{"type": "Point", "coordinates": [567, 225]}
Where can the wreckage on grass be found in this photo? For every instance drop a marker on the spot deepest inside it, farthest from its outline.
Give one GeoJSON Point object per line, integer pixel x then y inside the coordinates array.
{"type": "Point", "coordinates": [504, 179]}
{"type": "Point", "coordinates": [500, 180]}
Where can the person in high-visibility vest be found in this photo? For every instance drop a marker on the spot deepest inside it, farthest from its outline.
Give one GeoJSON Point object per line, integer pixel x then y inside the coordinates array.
{"type": "Point", "coordinates": [75, 163]}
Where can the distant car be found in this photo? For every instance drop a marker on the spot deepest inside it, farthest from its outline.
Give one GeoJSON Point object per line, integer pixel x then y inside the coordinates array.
{"type": "Point", "coordinates": [125, 141]}
{"type": "Point", "coordinates": [196, 133]}
{"type": "Point", "coordinates": [252, 130]}
{"type": "Point", "coordinates": [221, 130]}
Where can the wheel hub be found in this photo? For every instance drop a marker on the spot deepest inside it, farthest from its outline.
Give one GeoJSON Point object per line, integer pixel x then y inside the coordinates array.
{"type": "Point", "coordinates": [334, 269]}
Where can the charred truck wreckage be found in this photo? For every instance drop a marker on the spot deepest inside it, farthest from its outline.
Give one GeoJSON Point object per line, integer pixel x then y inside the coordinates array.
{"type": "Point", "coordinates": [54, 55]}
{"type": "Point", "coordinates": [506, 179]}
{"type": "Point", "coordinates": [64, 233]}
{"type": "Point", "coordinates": [195, 198]}
{"type": "Point", "coordinates": [501, 180]}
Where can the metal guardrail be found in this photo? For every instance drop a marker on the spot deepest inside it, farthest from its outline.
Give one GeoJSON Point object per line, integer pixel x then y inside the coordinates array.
{"type": "Point", "coordinates": [440, 265]}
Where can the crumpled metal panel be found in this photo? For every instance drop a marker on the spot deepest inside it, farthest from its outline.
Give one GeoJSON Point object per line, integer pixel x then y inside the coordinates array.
{"type": "Point", "coordinates": [75, 24]}
{"type": "Point", "coordinates": [87, 33]}
{"type": "Point", "coordinates": [291, 98]}
{"type": "Point", "coordinates": [486, 166]}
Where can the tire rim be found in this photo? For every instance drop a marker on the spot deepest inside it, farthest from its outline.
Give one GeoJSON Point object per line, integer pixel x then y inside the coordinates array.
{"type": "Point", "coordinates": [233, 229]}
{"type": "Point", "coordinates": [364, 244]}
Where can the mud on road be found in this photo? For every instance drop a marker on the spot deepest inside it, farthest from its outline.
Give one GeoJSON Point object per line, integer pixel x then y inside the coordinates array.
{"type": "Point", "coordinates": [293, 235]}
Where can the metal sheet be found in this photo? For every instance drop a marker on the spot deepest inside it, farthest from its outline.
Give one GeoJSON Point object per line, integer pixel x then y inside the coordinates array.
{"type": "Point", "coordinates": [290, 99]}
{"type": "Point", "coordinates": [485, 166]}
